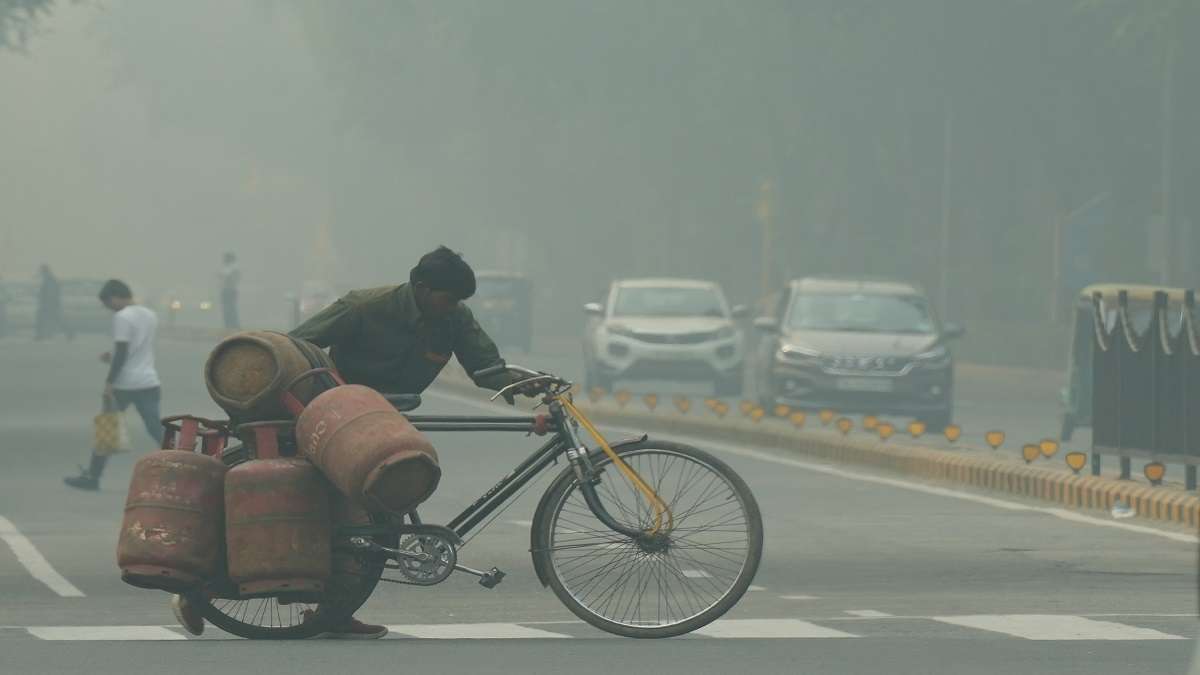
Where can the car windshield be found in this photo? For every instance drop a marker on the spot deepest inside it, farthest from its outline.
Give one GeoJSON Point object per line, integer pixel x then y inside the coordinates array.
{"type": "Point", "coordinates": [861, 313]}
{"type": "Point", "coordinates": [668, 302]}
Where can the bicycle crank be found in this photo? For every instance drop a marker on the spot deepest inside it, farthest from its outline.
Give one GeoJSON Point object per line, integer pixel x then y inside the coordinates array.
{"type": "Point", "coordinates": [489, 579]}
{"type": "Point", "coordinates": [424, 560]}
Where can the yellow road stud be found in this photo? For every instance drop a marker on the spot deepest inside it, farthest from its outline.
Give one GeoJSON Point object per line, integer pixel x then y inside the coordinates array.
{"type": "Point", "coordinates": [1076, 461]}
{"type": "Point", "coordinates": [953, 432]}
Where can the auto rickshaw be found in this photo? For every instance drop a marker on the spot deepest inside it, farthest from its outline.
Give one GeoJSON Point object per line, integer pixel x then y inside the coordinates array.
{"type": "Point", "coordinates": [503, 305]}
{"type": "Point", "coordinates": [1077, 395]}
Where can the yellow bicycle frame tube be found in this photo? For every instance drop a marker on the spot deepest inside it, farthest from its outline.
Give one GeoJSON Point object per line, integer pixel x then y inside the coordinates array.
{"type": "Point", "coordinates": [660, 508]}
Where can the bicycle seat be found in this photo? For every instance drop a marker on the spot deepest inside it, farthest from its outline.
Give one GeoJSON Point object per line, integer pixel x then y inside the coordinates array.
{"type": "Point", "coordinates": [404, 402]}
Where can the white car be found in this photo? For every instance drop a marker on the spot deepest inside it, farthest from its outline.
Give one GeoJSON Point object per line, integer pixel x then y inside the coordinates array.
{"type": "Point", "coordinates": [665, 329]}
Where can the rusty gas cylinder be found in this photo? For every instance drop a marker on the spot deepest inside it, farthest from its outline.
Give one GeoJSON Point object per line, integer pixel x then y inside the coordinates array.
{"type": "Point", "coordinates": [367, 449]}
{"type": "Point", "coordinates": [171, 533]}
{"type": "Point", "coordinates": [247, 372]}
{"type": "Point", "coordinates": [277, 521]}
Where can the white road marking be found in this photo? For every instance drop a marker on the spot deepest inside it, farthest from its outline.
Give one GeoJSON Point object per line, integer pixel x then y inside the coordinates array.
{"type": "Point", "coordinates": [1064, 514]}
{"type": "Point", "coordinates": [521, 523]}
{"type": "Point", "coordinates": [769, 628]}
{"type": "Point", "coordinates": [37, 565]}
{"type": "Point", "coordinates": [799, 597]}
{"type": "Point", "coordinates": [754, 588]}
{"type": "Point", "coordinates": [111, 633]}
{"type": "Point", "coordinates": [1056, 627]}
{"type": "Point", "coordinates": [473, 631]}
{"type": "Point", "coordinates": [696, 574]}
{"type": "Point", "coordinates": [1044, 627]}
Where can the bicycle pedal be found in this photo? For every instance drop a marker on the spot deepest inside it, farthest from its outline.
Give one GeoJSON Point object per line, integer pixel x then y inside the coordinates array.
{"type": "Point", "coordinates": [491, 578]}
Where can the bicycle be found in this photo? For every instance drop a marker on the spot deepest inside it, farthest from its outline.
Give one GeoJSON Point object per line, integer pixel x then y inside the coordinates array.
{"type": "Point", "coordinates": [640, 538]}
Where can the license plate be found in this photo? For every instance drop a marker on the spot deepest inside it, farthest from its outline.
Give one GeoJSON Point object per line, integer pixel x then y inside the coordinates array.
{"type": "Point", "coordinates": [874, 384]}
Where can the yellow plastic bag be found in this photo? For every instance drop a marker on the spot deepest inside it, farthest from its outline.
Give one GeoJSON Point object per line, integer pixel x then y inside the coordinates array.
{"type": "Point", "coordinates": [111, 436]}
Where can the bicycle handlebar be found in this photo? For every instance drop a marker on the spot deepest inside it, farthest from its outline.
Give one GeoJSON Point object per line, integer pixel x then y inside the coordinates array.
{"type": "Point", "coordinates": [505, 367]}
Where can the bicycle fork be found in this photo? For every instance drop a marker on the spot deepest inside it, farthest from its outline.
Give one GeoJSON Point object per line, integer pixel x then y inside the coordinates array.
{"type": "Point", "coordinates": [588, 477]}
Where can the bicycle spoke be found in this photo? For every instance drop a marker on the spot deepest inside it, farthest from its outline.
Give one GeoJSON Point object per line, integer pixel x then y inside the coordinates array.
{"type": "Point", "coordinates": [633, 583]}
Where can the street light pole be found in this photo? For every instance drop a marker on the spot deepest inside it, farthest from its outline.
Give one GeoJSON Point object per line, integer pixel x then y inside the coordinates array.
{"type": "Point", "coordinates": [765, 195]}
{"type": "Point", "coordinates": [944, 256]}
{"type": "Point", "coordinates": [1166, 276]}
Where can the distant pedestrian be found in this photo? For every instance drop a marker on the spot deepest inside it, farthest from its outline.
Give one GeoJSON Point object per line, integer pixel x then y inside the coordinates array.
{"type": "Point", "coordinates": [230, 278]}
{"type": "Point", "coordinates": [49, 319]}
{"type": "Point", "coordinates": [132, 377]}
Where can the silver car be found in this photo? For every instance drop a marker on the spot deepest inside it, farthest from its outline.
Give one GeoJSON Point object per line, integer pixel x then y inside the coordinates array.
{"type": "Point", "coordinates": [857, 346]}
{"type": "Point", "coordinates": [665, 329]}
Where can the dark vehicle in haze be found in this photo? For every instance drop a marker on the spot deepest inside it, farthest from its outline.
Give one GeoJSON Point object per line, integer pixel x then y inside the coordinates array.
{"type": "Point", "coordinates": [1077, 395]}
{"type": "Point", "coordinates": [503, 305]}
{"type": "Point", "coordinates": [856, 346]}
{"type": "Point", "coordinates": [82, 311]}
{"type": "Point", "coordinates": [81, 308]}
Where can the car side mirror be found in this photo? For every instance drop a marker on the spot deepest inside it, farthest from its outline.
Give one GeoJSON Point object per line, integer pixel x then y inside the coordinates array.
{"type": "Point", "coordinates": [953, 331]}
{"type": "Point", "coordinates": [594, 308]}
{"type": "Point", "coordinates": [740, 311]}
{"type": "Point", "coordinates": [767, 324]}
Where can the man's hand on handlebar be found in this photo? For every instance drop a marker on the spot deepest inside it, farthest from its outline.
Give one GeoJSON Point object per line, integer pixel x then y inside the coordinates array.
{"type": "Point", "coordinates": [530, 390]}
{"type": "Point", "coordinates": [525, 382]}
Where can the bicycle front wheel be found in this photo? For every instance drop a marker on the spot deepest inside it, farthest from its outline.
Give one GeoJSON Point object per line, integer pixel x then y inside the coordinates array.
{"type": "Point", "coordinates": [669, 585]}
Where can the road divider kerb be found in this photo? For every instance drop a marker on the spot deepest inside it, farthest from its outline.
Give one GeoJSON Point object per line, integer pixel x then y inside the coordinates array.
{"type": "Point", "coordinates": [1068, 489]}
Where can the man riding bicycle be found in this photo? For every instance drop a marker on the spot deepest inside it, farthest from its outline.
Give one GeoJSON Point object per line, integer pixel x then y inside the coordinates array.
{"type": "Point", "coordinates": [396, 339]}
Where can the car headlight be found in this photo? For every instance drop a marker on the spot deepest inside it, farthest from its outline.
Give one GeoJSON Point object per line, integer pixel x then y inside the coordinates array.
{"type": "Point", "coordinates": [797, 354]}
{"type": "Point", "coordinates": [937, 357]}
{"type": "Point", "coordinates": [623, 331]}
{"type": "Point", "coordinates": [726, 332]}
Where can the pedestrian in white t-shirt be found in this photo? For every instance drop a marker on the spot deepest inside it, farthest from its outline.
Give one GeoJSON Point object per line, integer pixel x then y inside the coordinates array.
{"type": "Point", "coordinates": [132, 378]}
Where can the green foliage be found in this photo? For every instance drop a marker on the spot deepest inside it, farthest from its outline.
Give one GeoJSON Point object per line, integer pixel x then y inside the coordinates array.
{"type": "Point", "coordinates": [18, 20]}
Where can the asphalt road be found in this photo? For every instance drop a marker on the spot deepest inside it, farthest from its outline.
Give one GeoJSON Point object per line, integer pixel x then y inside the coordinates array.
{"type": "Point", "coordinates": [862, 573]}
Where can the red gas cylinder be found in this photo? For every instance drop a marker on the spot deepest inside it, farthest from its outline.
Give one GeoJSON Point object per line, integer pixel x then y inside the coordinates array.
{"type": "Point", "coordinates": [170, 536]}
{"type": "Point", "coordinates": [277, 527]}
{"type": "Point", "coordinates": [367, 449]}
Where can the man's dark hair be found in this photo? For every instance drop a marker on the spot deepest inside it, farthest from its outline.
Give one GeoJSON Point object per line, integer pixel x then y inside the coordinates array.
{"type": "Point", "coordinates": [114, 288]}
{"type": "Point", "coordinates": [444, 270]}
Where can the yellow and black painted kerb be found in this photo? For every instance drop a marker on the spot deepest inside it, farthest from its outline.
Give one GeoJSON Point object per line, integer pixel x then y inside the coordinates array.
{"type": "Point", "coordinates": [1060, 487]}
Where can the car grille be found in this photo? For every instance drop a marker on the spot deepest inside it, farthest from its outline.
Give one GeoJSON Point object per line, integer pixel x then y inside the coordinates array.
{"type": "Point", "coordinates": [851, 363]}
{"type": "Point", "coordinates": [676, 338]}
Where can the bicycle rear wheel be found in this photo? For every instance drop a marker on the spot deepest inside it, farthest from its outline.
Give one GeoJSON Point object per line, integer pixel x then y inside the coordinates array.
{"type": "Point", "coordinates": [355, 576]}
{"type": "Point", "coordinates": [684, 580]}
{"type": "Point", "coordinates": [273, 618]}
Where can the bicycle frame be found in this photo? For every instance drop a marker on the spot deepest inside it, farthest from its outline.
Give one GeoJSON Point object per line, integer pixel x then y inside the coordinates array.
{"type": "Point", "coordinates": [564, 440]}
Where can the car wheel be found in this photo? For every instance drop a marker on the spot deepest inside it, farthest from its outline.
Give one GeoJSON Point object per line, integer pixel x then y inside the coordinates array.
{"type": "Point", "coordinates": [729, 387]}
{"type": "Point", "coordinates": [594, 380]}
{"type": "Point", "coordinates": [1068, 427]}
{"type": "Point", "coordinates": [937, 421]}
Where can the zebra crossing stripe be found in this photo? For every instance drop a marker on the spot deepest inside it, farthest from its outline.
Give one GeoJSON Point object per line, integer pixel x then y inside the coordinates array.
{"type": "Point", "coordinates": [1056, 627]}
{"type": "Point", "coordinates": [473, 631]}
{"type": "Point", "coordinates": [769, 628]}
{"type": "Point", "coordinates": [108, 633]}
